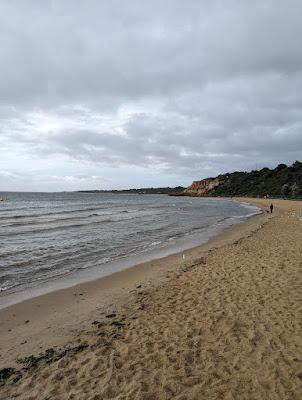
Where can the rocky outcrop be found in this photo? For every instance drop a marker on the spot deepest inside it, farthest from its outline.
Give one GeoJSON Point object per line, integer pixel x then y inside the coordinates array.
{"type": "Point", "coordinates": [203, 187]}
{"type": "Point", "coordinates": [282, 181]}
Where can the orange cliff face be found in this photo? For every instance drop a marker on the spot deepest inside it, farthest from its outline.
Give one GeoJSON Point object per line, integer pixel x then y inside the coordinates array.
{"type": "Point", "coordinates": [202, 188]}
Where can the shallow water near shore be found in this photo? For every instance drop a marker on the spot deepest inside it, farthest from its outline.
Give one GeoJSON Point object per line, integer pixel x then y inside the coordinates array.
{"type": "Point", "coordinates": [55, 240]}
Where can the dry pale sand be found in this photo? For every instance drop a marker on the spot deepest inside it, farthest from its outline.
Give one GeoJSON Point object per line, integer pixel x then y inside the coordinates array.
{"type": "Point", "coordinates": [226, 327]}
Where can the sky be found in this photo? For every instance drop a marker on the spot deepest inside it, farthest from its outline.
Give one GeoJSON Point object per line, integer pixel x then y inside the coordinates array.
{"type": "Point", "coordinates": [99, 94]}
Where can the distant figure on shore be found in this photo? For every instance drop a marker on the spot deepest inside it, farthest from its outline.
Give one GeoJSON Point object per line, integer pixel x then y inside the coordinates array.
{"type": "Point", "coordinates": [271, 208]}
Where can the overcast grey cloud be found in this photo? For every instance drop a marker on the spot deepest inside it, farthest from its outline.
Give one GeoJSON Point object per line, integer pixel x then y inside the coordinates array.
{"type": "Point", "coordinates": [118, 94]}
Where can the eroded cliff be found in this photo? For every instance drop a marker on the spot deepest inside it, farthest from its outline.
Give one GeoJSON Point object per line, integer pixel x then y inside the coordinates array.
{"type": "Point", "coordinates": [203, 187]}
{"type": "Point", "coordinates": [282, 181]}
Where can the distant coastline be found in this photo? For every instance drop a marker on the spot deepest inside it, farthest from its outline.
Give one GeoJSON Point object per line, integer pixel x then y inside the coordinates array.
{"type": "Point", "coordinates": [283, 182]}
{"type": "Point", "coordinates": [178, 190]}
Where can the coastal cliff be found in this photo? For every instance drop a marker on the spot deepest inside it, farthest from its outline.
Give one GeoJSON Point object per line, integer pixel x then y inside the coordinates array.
{"type": "Point", "coordinates": [203, 187]}
{"type": "Point", "coordinates": [280, 182]}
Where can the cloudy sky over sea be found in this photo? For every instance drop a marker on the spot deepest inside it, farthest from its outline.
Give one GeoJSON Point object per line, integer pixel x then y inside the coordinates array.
{"type": "Point", "coordinates": [116, 94]}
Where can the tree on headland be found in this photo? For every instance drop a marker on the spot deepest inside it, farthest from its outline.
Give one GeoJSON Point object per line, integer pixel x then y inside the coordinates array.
{"type": "Point", "coordinates": [282, 181]}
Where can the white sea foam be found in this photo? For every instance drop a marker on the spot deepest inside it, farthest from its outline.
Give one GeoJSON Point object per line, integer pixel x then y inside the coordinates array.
{"type": "Point", "coordinates": [46, 237]}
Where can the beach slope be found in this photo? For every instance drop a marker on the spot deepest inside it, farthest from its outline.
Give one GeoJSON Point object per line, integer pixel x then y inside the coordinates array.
{"type": "Point", "coordinates": [225, 326]}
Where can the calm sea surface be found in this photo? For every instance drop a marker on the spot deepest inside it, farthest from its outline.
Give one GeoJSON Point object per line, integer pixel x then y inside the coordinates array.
{"type": "Point", "coordinates": [46, 236]}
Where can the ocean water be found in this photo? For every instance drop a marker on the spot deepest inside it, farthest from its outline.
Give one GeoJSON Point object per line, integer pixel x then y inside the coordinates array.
{"type": "Point", "coordinates": [48, 236]}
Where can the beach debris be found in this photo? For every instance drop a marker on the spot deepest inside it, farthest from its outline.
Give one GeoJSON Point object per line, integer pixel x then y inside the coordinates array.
{"type": "Point", "coordinates": [50, 356]}
{"type": "Point", "coordinates": [117, 324]}
{"type": "Point", "coordinates": [111, 315]}
{"type": "Point", "coordinates": [6, 373]}
{"type": "Point", "coordinates": [27, 321]}
{"type": "Point", "coordinates": [183, 263]}
{"type": "Point", "coordinates": [138, 286]}
{"type": "Point", "coordinates": [98, 324]}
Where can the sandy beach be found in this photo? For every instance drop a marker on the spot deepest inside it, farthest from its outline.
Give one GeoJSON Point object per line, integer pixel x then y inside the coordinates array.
{"type": "Point", "coordinates": [224, 323]}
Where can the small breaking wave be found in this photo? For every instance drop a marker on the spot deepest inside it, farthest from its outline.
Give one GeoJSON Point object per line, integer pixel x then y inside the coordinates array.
{"type": "Point", "coordinates": [54, 238]}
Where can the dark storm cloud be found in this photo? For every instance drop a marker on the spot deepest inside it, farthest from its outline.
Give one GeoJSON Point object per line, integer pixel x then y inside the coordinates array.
{"type": "Point", "coordinates": [207, 86]}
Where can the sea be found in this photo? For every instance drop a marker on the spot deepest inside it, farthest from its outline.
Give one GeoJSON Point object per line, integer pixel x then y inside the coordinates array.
{"type": "Point", "coordinates": [54, 240]}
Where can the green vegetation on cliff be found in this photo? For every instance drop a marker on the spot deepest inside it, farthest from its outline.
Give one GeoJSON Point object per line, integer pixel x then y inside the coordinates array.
{"type": "Point", "coordinates": [283, 181]}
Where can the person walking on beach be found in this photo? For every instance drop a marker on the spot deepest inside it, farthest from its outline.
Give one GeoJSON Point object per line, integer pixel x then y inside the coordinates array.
{"type": "Point", "coordinates": [271, 208]}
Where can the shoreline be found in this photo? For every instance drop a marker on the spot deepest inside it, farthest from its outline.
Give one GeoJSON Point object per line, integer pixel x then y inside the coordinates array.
{"type": "Point", "coordinates": [177, 246]}
{"type": "Point", "coordinates": [224, 324]}
{"type": "Point", "coordinates": [54, 318]}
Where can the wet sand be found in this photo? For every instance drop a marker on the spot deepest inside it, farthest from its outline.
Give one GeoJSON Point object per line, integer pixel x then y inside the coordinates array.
{"type": "Point", "coordinates": [225, 323]}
